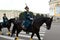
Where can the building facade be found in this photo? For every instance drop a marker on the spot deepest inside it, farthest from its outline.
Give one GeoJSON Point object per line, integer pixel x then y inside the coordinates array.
{"type": "Point", "coordinates": [9, 13]}
{"type": "Point", "coordinates": [55, 7]}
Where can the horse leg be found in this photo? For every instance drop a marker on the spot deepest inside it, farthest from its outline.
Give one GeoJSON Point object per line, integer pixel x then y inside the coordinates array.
{"type": "Point", "coordinates": [18, 31]}
{"type": "Point", "coordinates": [13, 31]}
{"type": "Point", "coordinates": [32, 36]}
{"type": "Point", "coordinates": [38, 35]}
{"type": "Point", "coordinates": [8, 31]}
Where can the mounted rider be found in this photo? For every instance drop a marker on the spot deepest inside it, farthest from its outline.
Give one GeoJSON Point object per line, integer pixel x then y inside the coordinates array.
{"type": "Point", "coordinates": [27, 18]}
{"type": "Point", "coordinates": [5, 19]}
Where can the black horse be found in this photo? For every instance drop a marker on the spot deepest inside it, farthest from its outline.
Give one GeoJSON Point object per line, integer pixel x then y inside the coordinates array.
{"type": "Point", "coordinates": [35, 27]}
{"type": "Point", "coordinates": [8, 25]}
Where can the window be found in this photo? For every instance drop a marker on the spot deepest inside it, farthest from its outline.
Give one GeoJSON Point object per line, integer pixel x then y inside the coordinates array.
{"type": "Point", "coordinates": [51, 11]}
{"type": "Point", "coordinates": [52, 0]}
{"type": "Point", "coordinates": [57, 9]}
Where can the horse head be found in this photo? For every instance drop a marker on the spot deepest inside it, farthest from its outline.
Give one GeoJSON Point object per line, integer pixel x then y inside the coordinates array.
{"type": "Point", "coordinates": [49, 22]}
{"type": "Point", "coordinates": [10, 21]}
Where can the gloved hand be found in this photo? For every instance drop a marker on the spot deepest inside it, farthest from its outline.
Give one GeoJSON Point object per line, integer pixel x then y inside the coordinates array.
{"type": "Point", "coordinates": [31, 18]}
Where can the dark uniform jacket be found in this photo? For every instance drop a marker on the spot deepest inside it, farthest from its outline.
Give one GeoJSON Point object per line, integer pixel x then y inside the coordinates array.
{"type": "Point", "coordinates": [25, 17]}
{"type": "Point", "coordinates": [5, 19]}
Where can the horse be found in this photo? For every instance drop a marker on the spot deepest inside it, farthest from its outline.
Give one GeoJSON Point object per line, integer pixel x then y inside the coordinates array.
{"type": "Point", "coordinates": [35, 27]}
{"type": "Point", "coordinates": [8, 25]}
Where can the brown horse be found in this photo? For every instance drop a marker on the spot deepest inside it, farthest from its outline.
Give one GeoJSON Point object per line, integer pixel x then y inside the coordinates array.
{"type": "Point", "coordinates": [35, 27]}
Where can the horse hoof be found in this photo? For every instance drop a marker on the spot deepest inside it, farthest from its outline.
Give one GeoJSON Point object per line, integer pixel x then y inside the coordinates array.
{"type": "Point", "coordinates": [8, 34]}
{"type": "Point", "coordinates": [30, 38]}
{"type": "Point", "coordinates": [16, 38]}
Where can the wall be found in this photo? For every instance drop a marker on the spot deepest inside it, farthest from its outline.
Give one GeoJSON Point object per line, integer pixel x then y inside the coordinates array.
{"type": "Point", "coordinates": [9, 13]}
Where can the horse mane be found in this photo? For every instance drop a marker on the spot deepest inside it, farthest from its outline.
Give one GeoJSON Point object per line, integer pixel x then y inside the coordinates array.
{"type": "Point", "coordinates": [41, 18]}
{"type": "Point", "coordinates": [39, 21]}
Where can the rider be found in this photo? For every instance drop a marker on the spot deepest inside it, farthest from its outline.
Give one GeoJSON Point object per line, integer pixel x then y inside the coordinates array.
{"type": "Point", "coordinates": [27, 18]}
{"type": "Point", "coordinates": [5, 19]}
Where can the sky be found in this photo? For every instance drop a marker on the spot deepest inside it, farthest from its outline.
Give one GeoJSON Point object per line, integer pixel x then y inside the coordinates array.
{"type": "Point", "coordinates": [38, 6]}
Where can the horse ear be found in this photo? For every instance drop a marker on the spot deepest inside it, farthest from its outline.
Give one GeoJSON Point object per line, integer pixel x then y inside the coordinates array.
{"type": "Point", "coordinates": [51, 18]}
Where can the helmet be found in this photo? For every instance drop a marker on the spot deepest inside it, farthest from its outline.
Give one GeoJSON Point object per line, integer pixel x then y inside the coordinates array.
{"type": "Point", "coordinates": [26, 7]}
{"type": "Point", "coordinates": [4, 14]}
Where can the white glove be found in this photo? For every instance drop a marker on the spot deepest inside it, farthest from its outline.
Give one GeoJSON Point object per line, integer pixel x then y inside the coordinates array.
{"type": "Point", "coordinates": [31, 18]}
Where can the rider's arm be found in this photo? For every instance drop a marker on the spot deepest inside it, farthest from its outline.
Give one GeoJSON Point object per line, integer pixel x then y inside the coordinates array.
{"type": "Point", "coordinates": [30, 16]}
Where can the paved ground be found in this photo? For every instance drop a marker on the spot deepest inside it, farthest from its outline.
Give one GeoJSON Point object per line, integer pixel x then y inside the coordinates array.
{"type": "Point", "coordinates": [22, 35]}
{"type": "Point", "coordinates": [53, 33]}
